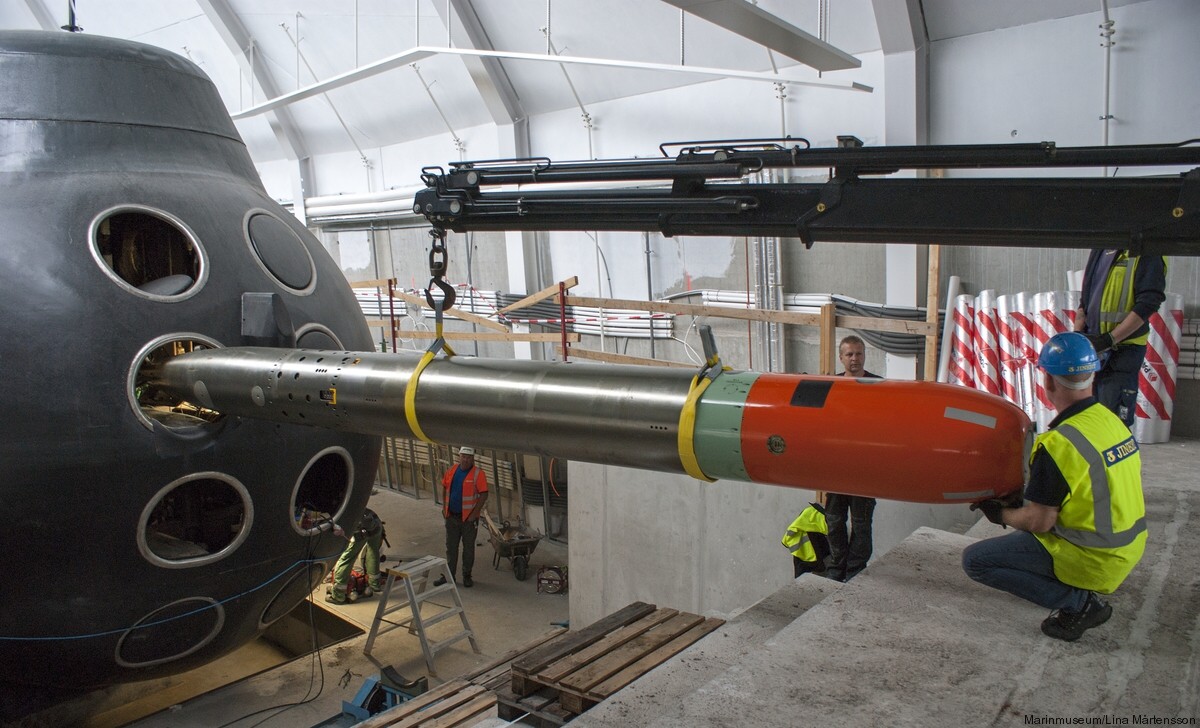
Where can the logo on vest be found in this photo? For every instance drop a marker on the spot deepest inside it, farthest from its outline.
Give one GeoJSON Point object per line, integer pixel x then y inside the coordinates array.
{"type": "Point", "coordinates": [1114, 455]}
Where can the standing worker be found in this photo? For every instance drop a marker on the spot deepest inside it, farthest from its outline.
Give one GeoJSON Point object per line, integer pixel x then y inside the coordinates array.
{"type": "Point", "coordinates": [366, 539]}
{"type": "Point", "coordinates": [849, 553]}
{"type": "Point", "coordinates": [1083, 527]}
{"type": "Point", "coordinates": [1120, 294]}
{"type": "Point", "coordinates": [805, 540]}
{"type": "Point", "coordinates": [464, 493]}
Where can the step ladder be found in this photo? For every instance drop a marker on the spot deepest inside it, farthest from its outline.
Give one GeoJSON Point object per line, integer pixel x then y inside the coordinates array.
{"type": "Point", "coordinates": [417, 577]}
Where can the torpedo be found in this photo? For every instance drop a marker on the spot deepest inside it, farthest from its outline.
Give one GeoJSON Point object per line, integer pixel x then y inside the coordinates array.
{"type": "Point", "coordinates": [901, 440]}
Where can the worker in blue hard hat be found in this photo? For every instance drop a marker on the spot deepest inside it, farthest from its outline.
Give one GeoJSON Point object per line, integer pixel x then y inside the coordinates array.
{"type": "Point", "coordinates": [1082, 525]}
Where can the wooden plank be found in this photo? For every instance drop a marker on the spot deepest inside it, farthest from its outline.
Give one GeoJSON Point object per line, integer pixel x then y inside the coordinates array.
{"type": "Point", "coordinates": [895, 326]}
{"type": "Point", "coordinates": [467, 714]}
{"type": "Point", "coordinates": [691, 309]}
{"type": "Point", "coordinates": [624, 358]}
{"type": "Point", "coordinates": [502, 662]}
{"type": "Point", "coordinates": [829, 346]}
{"type": "Point", "coordinates": [865, 323]}
{"type": "Point", "coordinates": [447, 705]}
{"type": "Point", "coordinates": [931, 312]}
{"type": "Point", "coordinates": [464, 315]}
{"type": "Point", "coordinates": [386, 717]}
{"type": "Point", "coordinates": [571, 642]}
{"type": "Point", "coordinates": [653, 660]}
{"type": "Point", "coordinates": [377, 283]}
{"type": "Point", "coordinates": [541, 295]}
{"type": "Point", "coordinates": [559, 669]}
{"type": "Point", "coordinates": [485, 336]}
{"type": "Point", "coordinates": [613, 662]}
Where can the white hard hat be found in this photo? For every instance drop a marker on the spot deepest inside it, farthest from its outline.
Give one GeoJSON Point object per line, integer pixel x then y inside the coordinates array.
{"type": "Point", "coordinates": [466, 451]}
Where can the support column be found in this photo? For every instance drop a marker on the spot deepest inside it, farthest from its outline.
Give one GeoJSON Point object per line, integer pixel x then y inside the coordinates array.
{"type": "Point", "coordinates": [906, 121]}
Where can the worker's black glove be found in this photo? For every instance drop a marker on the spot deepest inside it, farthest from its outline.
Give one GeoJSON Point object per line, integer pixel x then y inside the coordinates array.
{"type": "Point", "coordinates": [993, 509]}
{"type": "Point", "coordinates": [1015, 499]}
{"type": "Point", "coordinates": [1100, 342]}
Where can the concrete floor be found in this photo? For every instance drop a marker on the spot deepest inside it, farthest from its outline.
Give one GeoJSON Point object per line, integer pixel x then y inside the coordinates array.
{"type": "Point", "coordinates": [911, 641]}
{"type": "Point", "coordinates": [504, 613]}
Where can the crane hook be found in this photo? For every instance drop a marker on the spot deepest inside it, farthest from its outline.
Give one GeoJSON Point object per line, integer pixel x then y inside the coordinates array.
{"type": "Point", "coordinates": [437, 271]}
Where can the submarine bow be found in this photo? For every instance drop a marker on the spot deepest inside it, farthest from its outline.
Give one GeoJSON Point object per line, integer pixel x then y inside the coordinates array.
{"type": "Point", "coordinates": [136, 227]}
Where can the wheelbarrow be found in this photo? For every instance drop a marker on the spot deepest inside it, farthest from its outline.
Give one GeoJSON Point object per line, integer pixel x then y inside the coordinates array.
{"type": "Point", "coordinates": [514, 542]}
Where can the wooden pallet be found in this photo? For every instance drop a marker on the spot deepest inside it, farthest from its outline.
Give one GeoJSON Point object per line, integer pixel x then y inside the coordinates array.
{"type": "Point", "coordinates": [456, 703]}
{"type": "Point", "coordinates": [558, 675]}
{"type": "Point", "coordinates": [582, 668]}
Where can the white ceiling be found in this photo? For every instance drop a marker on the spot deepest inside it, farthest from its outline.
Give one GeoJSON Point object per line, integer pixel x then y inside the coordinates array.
{"type": "Point", "coordinates": [395, 106]}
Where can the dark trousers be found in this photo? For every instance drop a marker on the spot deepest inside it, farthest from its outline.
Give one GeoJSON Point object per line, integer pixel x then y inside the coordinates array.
{"type": "Point", "coordinates": [848, 553]}
{"type": "Point", "coordinates": [1117, 382]}
{"type": "Point", "coordinates": [459, 530]}
{"type": "Point", "coordinates": [1019, 564]}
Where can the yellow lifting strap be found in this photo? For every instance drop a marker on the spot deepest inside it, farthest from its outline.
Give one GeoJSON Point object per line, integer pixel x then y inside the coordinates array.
{"type": "Point", "coordinates": [410, 391]}
{"type": "Point", "coordinates": [687, 417]}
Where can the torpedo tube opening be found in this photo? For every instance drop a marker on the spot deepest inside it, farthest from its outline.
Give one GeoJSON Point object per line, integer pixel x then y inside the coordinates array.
{"type": "Point", "coordinates": [153, 403]}
{"type": "Point", "coordinates": [322, 491]}
{"type": "Point", "coordinates": [195, 520]}
{"type": "Point", "coordinates": [149, 253]}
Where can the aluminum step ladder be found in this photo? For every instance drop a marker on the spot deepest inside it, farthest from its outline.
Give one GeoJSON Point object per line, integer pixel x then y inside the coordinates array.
{"type": "Point", "coordinates": [417, 577]}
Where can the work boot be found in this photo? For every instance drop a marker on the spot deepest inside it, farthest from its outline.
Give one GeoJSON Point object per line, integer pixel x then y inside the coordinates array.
{"type": "Point", "coordinates": [439, 581]}
{"type": "Point", "coordinates": [336, 597]}
{"type": "Point", "coordinates": [467, 581]}
{"type": "Point", "coordinates": [1070, 626]}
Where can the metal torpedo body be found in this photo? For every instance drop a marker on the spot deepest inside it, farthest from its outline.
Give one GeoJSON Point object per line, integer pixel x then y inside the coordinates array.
{"type": "Point", "coordinates": [910, 441]}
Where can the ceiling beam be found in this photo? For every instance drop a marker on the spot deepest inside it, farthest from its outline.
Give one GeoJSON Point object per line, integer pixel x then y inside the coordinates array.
{"type": "Point", "coordinates": [412, 55]}
{"type": "Point", "coordinates": [495, 87]}
{"type": "Point", "coordinates": [240, 43]}
{"type": "Point", "coordinates": [754, 23]}
{"type": "Point", "coordinates": [41, 15]}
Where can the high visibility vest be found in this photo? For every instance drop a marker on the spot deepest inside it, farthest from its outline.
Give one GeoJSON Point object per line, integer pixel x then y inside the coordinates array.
{"type": "Point", "coordinates": [473, 484]}
{"type": "Point", "coordinates": [796, 540]}
{"type": "Point", "coordinates": [1101, 529]}
{"type": "Point", "coordinates": [1117, 299]}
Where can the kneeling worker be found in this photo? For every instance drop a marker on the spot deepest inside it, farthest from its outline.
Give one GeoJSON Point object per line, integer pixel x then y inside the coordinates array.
{"type": "Point", "coordinates": [367, 537]}
{"type": "Point", "coordinates": [807, 542]}
{"type": "Point", "coordinates": [1082, 528]}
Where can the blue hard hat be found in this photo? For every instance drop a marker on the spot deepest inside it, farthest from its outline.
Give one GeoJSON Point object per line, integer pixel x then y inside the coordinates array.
{"type": "Point", "coordinates": [1069, 353]}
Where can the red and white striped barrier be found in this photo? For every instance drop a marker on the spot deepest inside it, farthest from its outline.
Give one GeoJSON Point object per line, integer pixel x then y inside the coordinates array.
{"type": "Point", "coordinates": [996, 341]}
{"type": "Point", "coordinates": [961, 369]}
{"type": "Point", "coordinates": [987, 347]}
{"type": "Point", "coordinates": [1156, 383]}
{"type": "Point", "coordinates": [1053, 313]}
{"type": "Point", "coordinates": [1016, 381]}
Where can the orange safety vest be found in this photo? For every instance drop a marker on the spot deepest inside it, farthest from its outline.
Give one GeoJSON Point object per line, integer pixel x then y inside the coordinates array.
{"type": "Point", "coordinates": [474, 484]}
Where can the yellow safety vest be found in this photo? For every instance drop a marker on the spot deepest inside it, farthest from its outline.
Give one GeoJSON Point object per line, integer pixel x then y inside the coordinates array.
{"type": "Point", "coordinates": [1100, 534]}
{"type": "Point", "coordinates": [796, 540]}
{"type": "Point", "coordinates": [1117, 300]}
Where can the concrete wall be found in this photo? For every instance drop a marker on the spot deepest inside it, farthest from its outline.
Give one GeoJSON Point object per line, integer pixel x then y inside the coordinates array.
{"type": "Point", "coordinates": [700, 547]}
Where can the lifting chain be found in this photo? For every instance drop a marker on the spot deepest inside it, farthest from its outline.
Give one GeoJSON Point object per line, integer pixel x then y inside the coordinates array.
{"type": "Point", "coordinates": [437, 271]}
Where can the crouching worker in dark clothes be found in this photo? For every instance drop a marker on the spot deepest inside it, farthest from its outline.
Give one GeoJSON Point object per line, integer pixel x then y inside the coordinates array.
{"type": "Point", "coordinates": [1082, 528]}
{"type": "Point", "coordinates": [366, 539]}
{"type": "Point", "coordinates": [807, 542]}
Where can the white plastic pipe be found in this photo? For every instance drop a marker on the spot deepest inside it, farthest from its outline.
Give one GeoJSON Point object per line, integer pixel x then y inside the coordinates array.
{"type": "Point", "coordinates": [943, 371]}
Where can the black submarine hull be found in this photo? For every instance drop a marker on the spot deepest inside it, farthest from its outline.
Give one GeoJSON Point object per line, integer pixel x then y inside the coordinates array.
{"type": "Point", "coordinates": [143, 543]}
